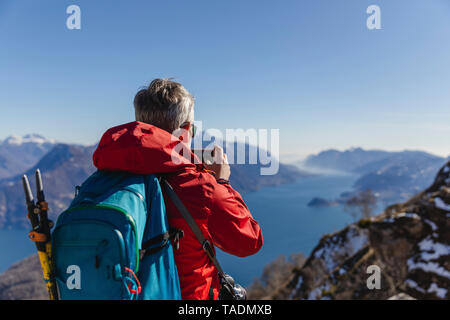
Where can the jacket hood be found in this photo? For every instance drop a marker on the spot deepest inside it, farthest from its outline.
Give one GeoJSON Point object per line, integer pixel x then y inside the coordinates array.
{"type": "Point", "coordinates": [141, 148]}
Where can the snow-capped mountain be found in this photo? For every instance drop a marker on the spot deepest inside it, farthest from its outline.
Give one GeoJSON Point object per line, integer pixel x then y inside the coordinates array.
{"type": "Point", "coordinates": [17, 153]}
{"type": "Point", "coordinates": [28, 138]}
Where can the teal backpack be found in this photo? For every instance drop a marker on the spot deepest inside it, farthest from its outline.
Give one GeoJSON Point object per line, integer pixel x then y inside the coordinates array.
{"type": "Point", "coordinates": [114, 241]}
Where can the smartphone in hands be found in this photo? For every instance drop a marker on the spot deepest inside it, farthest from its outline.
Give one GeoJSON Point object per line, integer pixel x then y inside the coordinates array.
{"type": "Point", "coordinates": [205, 155]}
{"type": "Point", "coordinates": [214, 160]}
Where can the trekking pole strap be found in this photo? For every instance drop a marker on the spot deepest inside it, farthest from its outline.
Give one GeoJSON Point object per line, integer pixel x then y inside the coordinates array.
{"type": "Point", "coordinates": [206, 245]}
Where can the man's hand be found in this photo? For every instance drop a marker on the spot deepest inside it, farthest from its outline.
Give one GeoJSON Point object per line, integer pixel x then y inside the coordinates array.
{"type": "Point", "coordinates": [220, 165]}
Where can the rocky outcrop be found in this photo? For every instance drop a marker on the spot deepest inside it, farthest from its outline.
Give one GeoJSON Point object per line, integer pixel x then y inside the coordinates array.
{"type": "Point", "coordinates": [409, 243]}
{"type": "Point", "coordinates": [321, 203]}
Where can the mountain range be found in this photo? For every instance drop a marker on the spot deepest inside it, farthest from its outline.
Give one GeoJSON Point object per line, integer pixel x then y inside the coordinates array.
{"type": "Point", "coordinates": [393, 176]}
{"type": "Point", "coordinates": [62, 168]}
{"type": "Point", "coordinates": [350, 160]}
{"type": "Point", "coordinates": [18, 154]}
{"type": "Point", "coordinates": [65, 166]}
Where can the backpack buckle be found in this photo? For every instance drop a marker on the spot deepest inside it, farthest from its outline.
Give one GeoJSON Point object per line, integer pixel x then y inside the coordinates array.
{"type": "Point", "coordinates": [134, 281]}
{"type": "Point", "coordinates": [177, 235]}
{"type": "Point", "coordinates": [208, 249]}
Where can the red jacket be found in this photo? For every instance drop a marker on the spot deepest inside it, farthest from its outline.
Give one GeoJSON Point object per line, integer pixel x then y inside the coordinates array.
{"type": "Point", "coordinates": [219, 210]}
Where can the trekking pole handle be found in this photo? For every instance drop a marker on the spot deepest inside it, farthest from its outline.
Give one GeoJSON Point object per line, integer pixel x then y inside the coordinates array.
{"type": "Point", "coordinates": [26, 188]}
{"type": "Point", "coordinates": [39, 186]}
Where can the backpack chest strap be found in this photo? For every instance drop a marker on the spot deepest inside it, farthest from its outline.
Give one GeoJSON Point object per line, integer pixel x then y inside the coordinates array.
{"type": "Point", "coordinates": [160, 241]}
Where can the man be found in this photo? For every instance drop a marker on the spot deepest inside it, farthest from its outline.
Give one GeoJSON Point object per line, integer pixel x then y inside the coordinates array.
{"type": "Point", "coordinates": [147, 146]}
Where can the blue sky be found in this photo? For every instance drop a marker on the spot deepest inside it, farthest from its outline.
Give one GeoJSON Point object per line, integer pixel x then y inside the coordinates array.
{"type": "Point", "coordinates": [309, 68]}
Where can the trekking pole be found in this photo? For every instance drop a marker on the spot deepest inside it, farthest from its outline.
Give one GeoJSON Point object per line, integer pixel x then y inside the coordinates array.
{"type": "Point", "coordinates": [40, 233]}
{"type": "Point", "coordinates": [46, 225]}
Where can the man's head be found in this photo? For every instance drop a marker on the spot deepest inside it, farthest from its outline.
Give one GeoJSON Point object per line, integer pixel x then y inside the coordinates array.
{"type": "Point", "coordinates": [167, 105]}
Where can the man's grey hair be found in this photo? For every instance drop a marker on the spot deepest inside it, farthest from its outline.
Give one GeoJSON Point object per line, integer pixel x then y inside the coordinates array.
{"type": "Point", "coordinates": [165, 104]}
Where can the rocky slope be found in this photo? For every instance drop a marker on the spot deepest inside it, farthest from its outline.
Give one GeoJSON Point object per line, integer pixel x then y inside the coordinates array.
{"type": "Point", "coordinates": [23, 281]}
{"type": "Point", "coordinates": [409, 242]}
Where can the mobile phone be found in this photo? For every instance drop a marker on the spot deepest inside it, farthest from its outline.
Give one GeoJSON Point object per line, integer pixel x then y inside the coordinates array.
{"type": "Point", "coordinates": [204, 154]}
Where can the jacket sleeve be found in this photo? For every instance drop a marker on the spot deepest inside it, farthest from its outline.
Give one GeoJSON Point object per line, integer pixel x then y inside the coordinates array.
{"type": "Point", "coordinates": [231, 224]}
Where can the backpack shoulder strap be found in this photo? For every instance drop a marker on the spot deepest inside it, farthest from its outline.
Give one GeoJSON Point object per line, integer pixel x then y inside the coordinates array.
{"type": "Point", "coordinates": [158, 242]}
{"type": "Point", "coordinates": [192, 224]}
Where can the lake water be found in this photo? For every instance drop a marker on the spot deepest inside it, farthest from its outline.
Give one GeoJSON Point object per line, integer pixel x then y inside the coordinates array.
{"type": "Point", "coordinates": [288, 225]}
{"type": "Point", "coordinates": [14, 246]}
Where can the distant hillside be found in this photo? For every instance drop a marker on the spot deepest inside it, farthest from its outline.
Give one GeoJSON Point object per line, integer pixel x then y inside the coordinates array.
{"type": "Point", "coordinates": [346, 161]}
{"type": "Point", "coordinates": [360, 161]}
{"type": "Point", "coordinates": [66, 166]}
{"type": "Point", "coordinates": [18, 154]}
{"type": "Point", "coordinates": [247, 177]}
{"type": "Point", "coordinates": [394, 176]}
{"type": "Point", "coordinates": [399, 176]}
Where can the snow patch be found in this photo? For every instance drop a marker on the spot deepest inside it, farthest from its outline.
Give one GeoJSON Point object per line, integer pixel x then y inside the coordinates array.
{"type": "Point", "coordinates": [408, 215]}
{"type": "Point", "coordinates": [433, 250]}
{"type": "Point", "coordinates": [431, 223]}
{"type": "Point", "coordinates": [440, 292]}
{"type": "Point", "coordinates": [429, 267]}
{"type": "Point", "coordinates": [430, 250]}
{"type": "Point", "coordinates": [392, 219]}
{"type": "Point", "coordinates": [337, 247]}
{"type": "Point", "coordinates": [412, 284]}
{"type": "Point", "coordinates": [29, 138]}
{"type": "Point", "coordinates": [317, 292]}
{"type": "Point", "coordinates": [440, 204]}
{"type": "Point", "coordinates": [297, 287]}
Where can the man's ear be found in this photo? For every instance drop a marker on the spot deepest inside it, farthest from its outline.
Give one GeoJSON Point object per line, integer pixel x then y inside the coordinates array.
{"type": "Point", "coordinates": [186, 127]}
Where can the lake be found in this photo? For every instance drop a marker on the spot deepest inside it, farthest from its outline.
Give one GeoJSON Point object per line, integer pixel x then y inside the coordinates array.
{"type": "Point", "coordinates": [14, 246]}
{"type": "Point", "coordinates": [288, 225]}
